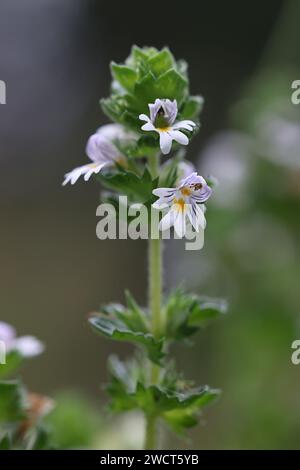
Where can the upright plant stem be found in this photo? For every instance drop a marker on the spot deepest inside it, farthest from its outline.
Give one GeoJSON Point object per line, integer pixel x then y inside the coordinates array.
{"type": "Point", "coordinates": [155, 298]}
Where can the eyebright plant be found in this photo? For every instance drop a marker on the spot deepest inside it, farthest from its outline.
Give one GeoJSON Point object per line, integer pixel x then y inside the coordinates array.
{"type": "Point", "coordinates": [154, 115]}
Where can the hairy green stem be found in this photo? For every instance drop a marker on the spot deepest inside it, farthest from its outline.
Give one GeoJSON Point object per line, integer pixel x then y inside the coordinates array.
{"type": "Point", "coordinates": [155, 300]}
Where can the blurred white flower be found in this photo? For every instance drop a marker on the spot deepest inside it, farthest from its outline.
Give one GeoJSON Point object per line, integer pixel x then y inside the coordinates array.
{"type": "Point", "coordinates": [102, 151]}
{"type": "Point", "coordinates": [279, 140]}
{"type": "Point", "coordinates": [27, 346]}
{"type": "Point", "coordinates": [228, 157]}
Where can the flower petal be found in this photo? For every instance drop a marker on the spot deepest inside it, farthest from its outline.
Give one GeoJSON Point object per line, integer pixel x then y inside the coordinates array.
{"type": "Point", "coordinates": [203, 194]}
{"type": "Point", "coordinates": [179, 137]}
{"type": "Point", "coordinates": [180, 224]}
{"type": "Point", "coordinates": [148, 127]}
{"type": "Point", "coordinates": [86, 170]}
{"type": "Point", "coordinates": [28, 346]}
{"type": "Point", "coordinates": [165, 142]}
{"type": "Point", "coordinates": [164, 192]}
{"type": "Point", "coordinates": [196, 216]}
{"type": "Point", "coordinates": [185, 124]}
{"type": "Point", "coordinates": [94, 169]}
{"type": "Point", "coordinates": [100, 150]}
{"type": "Point", "coordinates": [171, 110]}
{"type": "Point", "coordinates": [167, 221]}
{"type": "Point", "coordinates": [144, 117]}
{"type": "Point", "coordinates": [7, 332]}
{"type": "Point", "coordinates": [154, 108]}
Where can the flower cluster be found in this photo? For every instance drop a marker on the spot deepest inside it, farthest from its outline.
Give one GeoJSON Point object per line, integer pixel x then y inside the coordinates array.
{"type": "Point", "coordinates": [26, 346]}
{"type": "Point", "coordinates": [152, 87]}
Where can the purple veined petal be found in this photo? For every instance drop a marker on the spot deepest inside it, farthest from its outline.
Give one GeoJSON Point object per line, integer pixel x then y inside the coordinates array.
{"type": "Point", "coordinates": [154, 108]}
{"type": "Point", "coordinates": [99, 149]}
{"type": "Point", "coordinates": [179, 137]}
{"type": "Point", "coordinates": [28, 346]}
{"type": "Point", "coordinates": [171, 110]}
{"type": "Point", "coordinates": [196, 216]}
{"type": "Point", "coordinates": [160, 204]}
{"type": "Point", "coordinates": [165, 142]}
{"type": "Point", "coordinates": [144, 117]}
{"type": "Point", "coordinates": [180, 223]}
{"type": "Point", "coordinates": [203, 194]}
{"type": "Point", "coordinates": [7, 333]}
{"type": "Point", "coordinates": [148, 127]}
{"type": "Point", "coordinates": [164, 192]}
{"type": "Point", "coordinates": [193, 178]}
{"type": "Point", "coordinates": [167, 221]}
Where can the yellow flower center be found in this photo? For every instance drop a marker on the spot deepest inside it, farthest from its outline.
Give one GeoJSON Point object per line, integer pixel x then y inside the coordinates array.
{"type": "Point", "coordinates": [186, 191]}
{"type": "Point", "coordinates": [179, 204]}
{"type": "Point", "coordinates": [163, 129]}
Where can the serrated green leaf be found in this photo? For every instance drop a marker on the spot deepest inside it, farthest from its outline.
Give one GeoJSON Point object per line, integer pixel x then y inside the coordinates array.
{"type": "Point", "coordinates": [205, 309]}
{"type": "Point", "coordinates": [186, 313]}
{"type": "Point", "coordinates": [192, 108]}
{"type": "Point", "coordinates": [161, 62]}
{"type": "Point", "coordinates": [12, 401]}
{"type": "Point", "coordinates": [179, 409]}
{"type": "Point", "coordinates": [172, 85]}
{"type": "Point", "coordinates": [126, 76]}
{"type": "Point", "coordinates": [118, 330]}
{"type": "Point", "coordinates": [187, 413]}
{"type": "Point", "coordinates": [138, 188]}
{"type": "Point", "coordinates": [146, 146]}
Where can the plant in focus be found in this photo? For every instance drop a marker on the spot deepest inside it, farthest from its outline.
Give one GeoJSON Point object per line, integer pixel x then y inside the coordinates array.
{"type": "Point", "coordinates": [154, 115]}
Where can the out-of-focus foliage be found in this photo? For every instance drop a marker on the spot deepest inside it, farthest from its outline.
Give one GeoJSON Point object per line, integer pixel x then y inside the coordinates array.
{"type": "Point", "coordinates": [254, 253]}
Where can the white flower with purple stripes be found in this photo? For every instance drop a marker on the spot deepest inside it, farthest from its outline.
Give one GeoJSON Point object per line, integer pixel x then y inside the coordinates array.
{"type": "Point", "coordinates": [185, 201]}
{"type": "Point", "coordinates": [101, 150]}
{"type": "Point", "coordinates": [163, 113]}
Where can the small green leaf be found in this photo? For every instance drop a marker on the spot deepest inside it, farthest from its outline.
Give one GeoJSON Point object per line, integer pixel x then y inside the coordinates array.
{"type": "Point", "coordinates": [204, 309]}
{"type": "Point", "coordinates": [12, 401]}
{"type": "Point", "coordinates": [138, 188]}
{"type": "Point", "coordinates": [118, 330]}
{"type": "Point", "coordinates": [190, 406]}
{"type": "Point", "coordinates": [172, 85]}
{"type": "Point", "coordinates": [192, 108]}
{"type": "Point", "coordinates": [13, 361]}
{"type": "Point", "coordinates": [161, 62]}
{"type": "Point", "coordinates": [186, 313]}
{"type": "Point", "coordinates": [126, 76]}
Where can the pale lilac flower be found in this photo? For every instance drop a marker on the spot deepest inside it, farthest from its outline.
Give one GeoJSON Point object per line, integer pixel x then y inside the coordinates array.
{"type": "Point", "coordinates": [27, 346]}
{"type": "Point", "coordinates": [184, 201]}
{"type": "Point", "coordinates": [101, 150]}
{"type": "Point", "coordinates": [163, 113]}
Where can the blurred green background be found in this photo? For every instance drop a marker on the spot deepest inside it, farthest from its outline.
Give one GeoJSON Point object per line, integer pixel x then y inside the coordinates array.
{"type": "Point", "coordinates": [243, 58]}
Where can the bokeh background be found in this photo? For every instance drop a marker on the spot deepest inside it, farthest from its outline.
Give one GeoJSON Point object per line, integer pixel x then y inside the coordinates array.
{"type": "Point", "coordinates": [54, 58]}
